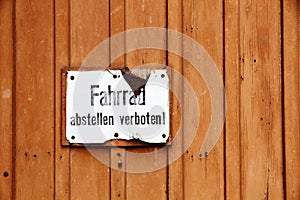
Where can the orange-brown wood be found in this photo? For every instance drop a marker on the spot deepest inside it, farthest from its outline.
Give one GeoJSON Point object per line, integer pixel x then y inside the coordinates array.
{"type": "Point", "coordinates": [150, 185]}
{"type": "Point", "coordinates": [34, 139]}
{"type": "Point", "coordinates": [118, 176]}
{"type": "Point", "coordinates": [62, 49]}
{"type": "Point", "coordinates": [232, 83]}
{"type": "Point", "coordinates": [291, 79]}
{"type": "Point", "coordinates": [255, 44]}
{"type": "Point", "coordinates": [203, 178]}
{"type": "Point", "coordinates": [261, 127]}
{"type": "Point", "coordinates": [117, 155]}
{"type": "Point", "coordinates": [117, 25]}
{"type": "Point", "coordinates": [175, 169]}
{"type": "Point", "coordinates": [146, 13]}
{"type": "Point", "coordinates": [139, 14]}
{"type": "Point", "coordinates": [89, 177]}
{"type": "Point", "coordinates": [89, 21]}
{"type": "Point", "coordinates": [6, 98]}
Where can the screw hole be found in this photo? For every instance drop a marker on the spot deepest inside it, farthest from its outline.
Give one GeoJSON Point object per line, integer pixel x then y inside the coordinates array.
{"type": "Point", "coordinates": [163, 76]}
{"type": "Point", "coordinates": [164, 135]}
{"type": "Point", "coordinates": [120, 164]}
{"type": "Point", "coordinates": [254, 60]}
{"type": "Point", "coordinates": [118, 154]}
{"type": "Point", "coordinates": [115, 76]}
{"type": "Point", "coordinates": [116, 134]}
{"type": "Point", "coordinates": [5, 174]}
{"type": "Point", "coordinates": [72, 137]}
{"type": "Point", "coordinates": [72, 78]}
{"type": "Point", "coordinates": [35, 155]}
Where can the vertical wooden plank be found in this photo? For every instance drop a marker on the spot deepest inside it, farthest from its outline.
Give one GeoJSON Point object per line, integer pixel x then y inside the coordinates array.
{"type": "Point", "coordinates": [90, 179]}
{"type": "Point", "coordinates": [261, 122]}
{"type": "Point", "coordinates": [141, 14]}
{"type": "Point", "coordinates": [62, 157]}
{"type": "Point", "coordinates": [175, 173]}
{"type": "Point", "coordinates": [203, 178]}
{"type": "Point", "coordinates": [117, 25]}
{"type": "Point", "coordinates": [291, 72]}
{"type": "Point", "coordinates": [6, 79]}
{"type": "Point", "coordinates": [151, 185]}
{"type": "Point", "coordinates": [89, 26]}
{"type": "Point", "coordinates": [232, 86]}
{"type": "Point", "coordinates": [34, 164]}
{"type": "Point", "coordinates": [118, 160]}
{"type": "Point", "coordinates": [118, 177]}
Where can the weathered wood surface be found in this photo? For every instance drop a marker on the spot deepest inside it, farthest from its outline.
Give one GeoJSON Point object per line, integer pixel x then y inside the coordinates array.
{"type": "Point", "coordinates": [255, 45]}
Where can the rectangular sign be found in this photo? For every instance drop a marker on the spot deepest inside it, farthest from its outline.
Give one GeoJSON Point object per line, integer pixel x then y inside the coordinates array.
{"type": "Point", "coordinates": [104, 105]}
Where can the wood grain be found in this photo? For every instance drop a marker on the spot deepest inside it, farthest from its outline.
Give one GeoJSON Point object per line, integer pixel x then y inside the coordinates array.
{"type": "Point", "coordinates": [150, 185]}
{"type": "Point", "coordinates": [6, 99]}
{"type": "Point", "coordinates": [62, 59]}
{"type": "Point", "coordinates": [118, 176]}
{"type": "Point", "coordinates": [117, 155]}
{"type": "Point", "coordinates": [207, 173]}
{"type": "Point", "coordinates": [117, 25]}
{"type": "Point", "coordinates": [149, 15]}
{"type": "Point", "coordinates": [34, 164]}
{"type": "Point", "coordinates": [291, 94]}
{"type": "Point", "coordinates": [89, 26]}
{"type": "Point", "coordinates": [141, 14]}
{"type": "Point", "coordinates": [232, 86]}
{"type": "Point", "coordinates": [90, 179]}
{"type": "Point", "coordinates": [255, 43]}
{"type": "Point", "coordinates": [175, 169]}
{"type": "Point", "coordinates": [261, 125]}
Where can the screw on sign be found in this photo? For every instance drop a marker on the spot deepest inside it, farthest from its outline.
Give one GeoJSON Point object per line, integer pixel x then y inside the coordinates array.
{"type": "Point", "coordinates": [204, 65]}
{"type": "Point", "coordinates": [99, 105]}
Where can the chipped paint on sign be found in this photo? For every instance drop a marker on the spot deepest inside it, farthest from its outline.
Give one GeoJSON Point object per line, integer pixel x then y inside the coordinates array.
{"type": "Point", "coordinates": [114, 104]}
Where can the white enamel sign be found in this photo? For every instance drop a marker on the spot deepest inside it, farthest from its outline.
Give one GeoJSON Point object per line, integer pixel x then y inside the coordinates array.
{"type": "Point", "coordinates": [105, 105]}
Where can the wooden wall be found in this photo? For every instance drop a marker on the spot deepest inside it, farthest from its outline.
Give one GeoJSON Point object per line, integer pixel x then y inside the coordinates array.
{"type": "Point", "coordinates": [255, 45]}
